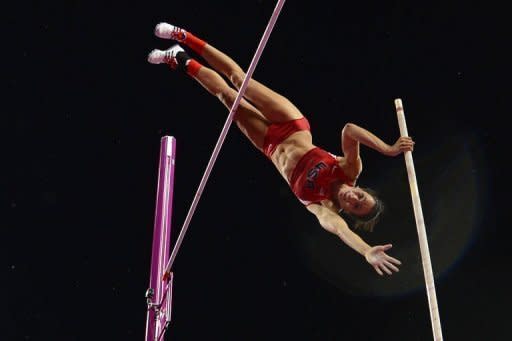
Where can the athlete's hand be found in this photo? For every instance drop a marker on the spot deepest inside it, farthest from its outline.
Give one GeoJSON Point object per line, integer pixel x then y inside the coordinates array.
{"type": "Point", "coordinates": [380, 261]}
{"type": "Point", "coordinates": [402, 145]}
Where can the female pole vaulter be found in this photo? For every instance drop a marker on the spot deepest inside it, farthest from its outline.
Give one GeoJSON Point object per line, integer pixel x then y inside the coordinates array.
{"type": "Point", "coordinates": [324, 182]}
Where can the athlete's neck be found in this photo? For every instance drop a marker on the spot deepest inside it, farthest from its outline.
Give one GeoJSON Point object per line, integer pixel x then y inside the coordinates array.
{"type": "Point", "coordinates": [335, 192]}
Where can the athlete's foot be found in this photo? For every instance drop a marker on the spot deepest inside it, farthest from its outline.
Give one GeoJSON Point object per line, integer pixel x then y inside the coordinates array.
{"type": "Point", "coordinates": [168, 56]}
{"type": "Point", "coordinates": [168, 31]}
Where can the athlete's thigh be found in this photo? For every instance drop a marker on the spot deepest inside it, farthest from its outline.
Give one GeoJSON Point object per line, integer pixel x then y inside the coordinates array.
{"type": "Point", "coordinates": [274, 106]}
{"type": "Point", "coordinates": [252, 123]}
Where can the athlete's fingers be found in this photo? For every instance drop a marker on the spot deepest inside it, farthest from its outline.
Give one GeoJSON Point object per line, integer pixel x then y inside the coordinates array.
{"type": "Point", "coordinates": [392, 266]}
{"type": "Point", "coordinates": [385, 269]}
{"type": "Point", "coordinates": [386, 247]}
{"type": "Point", "coordinates": [393, 260]}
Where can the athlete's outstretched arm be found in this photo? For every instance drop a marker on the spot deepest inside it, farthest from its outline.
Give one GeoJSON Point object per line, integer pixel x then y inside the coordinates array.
{"type": "Point", "coordinates": [352, 135]}
{"type": "Point", "coordinates": [375, 255]}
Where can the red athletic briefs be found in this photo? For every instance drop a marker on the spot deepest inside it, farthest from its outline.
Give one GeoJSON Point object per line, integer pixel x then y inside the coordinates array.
{"type": "Point", "coordinates": [278, 132]}
{"type": "Point", "coordinates": [314, 174]}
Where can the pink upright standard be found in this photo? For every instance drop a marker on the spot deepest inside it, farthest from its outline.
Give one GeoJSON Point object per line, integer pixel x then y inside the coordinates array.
{"type": "Point", "coordinates": [159, 293]}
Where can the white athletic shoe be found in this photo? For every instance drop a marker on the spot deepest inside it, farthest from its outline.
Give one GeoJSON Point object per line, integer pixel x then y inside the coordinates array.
{"type": "Point", "coordinates": [168, 56]}
{"type": "Point", "coordinates": [168, 31]}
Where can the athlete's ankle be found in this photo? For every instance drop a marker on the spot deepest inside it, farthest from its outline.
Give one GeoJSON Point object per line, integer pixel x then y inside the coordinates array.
{"type": "Point", "coordinates": [182, 59]}
{"type": "Point", "coordinates": [194, 43]}
{"type": "Point", "coordinates": [192, 67]}
{"type": "Point", "coordinates": [187, 64]}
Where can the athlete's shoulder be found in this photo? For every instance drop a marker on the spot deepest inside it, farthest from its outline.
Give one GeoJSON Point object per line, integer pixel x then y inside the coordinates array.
{"type": "Point", "coordinates": [329, 204]}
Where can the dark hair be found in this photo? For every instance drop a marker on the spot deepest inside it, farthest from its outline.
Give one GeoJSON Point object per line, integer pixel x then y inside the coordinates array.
{"type": "Point", "coordinates": [366, 222]}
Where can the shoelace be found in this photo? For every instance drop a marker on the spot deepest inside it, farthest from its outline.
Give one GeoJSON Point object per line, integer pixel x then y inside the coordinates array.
{"type": "Point", "coordinates": [170, 59]}
{"type": "Point", "coordinates": [178, 34]}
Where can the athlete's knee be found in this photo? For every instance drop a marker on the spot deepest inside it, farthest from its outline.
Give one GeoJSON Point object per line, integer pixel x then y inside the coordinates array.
{"type": "Point", "coordinates": [226, 95]}
{"type": "Point", "coordinates": [237, 78]}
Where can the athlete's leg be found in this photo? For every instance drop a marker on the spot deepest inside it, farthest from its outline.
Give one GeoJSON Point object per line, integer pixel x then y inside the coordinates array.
{"type": "Point", "coordinates": [249, 119]}
{"type": "Point", "coordinates": [274, 106]}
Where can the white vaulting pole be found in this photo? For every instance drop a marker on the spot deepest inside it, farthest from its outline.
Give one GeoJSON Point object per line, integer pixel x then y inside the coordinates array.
{"type": "Point", "coordinates": [420, 225]}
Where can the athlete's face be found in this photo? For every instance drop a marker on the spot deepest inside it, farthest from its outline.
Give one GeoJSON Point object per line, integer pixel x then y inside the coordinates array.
{"type": "Point", "coordinates": [355, 201]}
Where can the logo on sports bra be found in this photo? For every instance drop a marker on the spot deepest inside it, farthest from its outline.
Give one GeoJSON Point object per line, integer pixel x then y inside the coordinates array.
{"type": "Point", "coordinates": [313, 174]}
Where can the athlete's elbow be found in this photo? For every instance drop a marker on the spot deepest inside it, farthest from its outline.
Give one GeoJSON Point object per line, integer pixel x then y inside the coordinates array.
{"type": "Point", "coordinates": [351, 126]}
{"type": "Point", "coordinates": [348, 128]}
{"type": "Point", "coordinates": [331, 226]}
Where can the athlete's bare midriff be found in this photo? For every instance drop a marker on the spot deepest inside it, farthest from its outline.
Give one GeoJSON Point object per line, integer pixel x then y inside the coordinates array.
{"type": "Point", "coordinates": [288, 153]}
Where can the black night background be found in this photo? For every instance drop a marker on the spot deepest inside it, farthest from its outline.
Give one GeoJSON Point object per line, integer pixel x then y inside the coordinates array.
{"type": "Point", "coordinates": [85, 112]}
